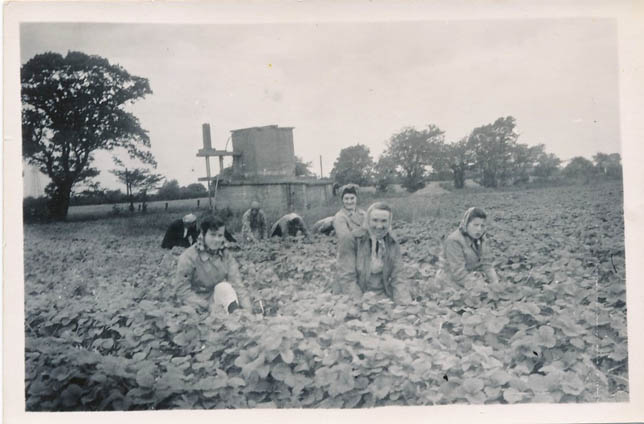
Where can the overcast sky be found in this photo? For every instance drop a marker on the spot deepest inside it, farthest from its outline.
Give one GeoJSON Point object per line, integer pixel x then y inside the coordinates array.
{"type": "Point", "coordinates": [348, 83]}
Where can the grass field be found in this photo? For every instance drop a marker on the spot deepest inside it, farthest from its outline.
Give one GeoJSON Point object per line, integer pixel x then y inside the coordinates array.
{"type": "Point", "coordinates": [98, 211]}
{"type": "Point", "coordinates": [103, 333]}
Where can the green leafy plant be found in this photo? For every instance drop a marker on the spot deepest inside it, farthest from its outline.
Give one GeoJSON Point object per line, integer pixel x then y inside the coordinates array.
{"type": "Point", "coordinates": [102, 332]}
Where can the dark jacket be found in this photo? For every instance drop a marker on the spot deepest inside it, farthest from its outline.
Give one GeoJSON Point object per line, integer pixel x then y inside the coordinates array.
{"type": "Point", "coordinates": [174, 235]}
{"type": "Point", "coordinates": [288, 225]}
{"type": "Point", "coordinates": [354, 266]}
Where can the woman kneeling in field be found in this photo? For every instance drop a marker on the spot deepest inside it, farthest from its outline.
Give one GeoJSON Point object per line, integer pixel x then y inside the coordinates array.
{"type": "Point", "coordinates": [369, 258]}
{"type": "Point", "coordinates": [465, 259]}
{"type": "Point", "coordinates": [350, 217]}
{"type": "Point", "coordinates": [207, 273]}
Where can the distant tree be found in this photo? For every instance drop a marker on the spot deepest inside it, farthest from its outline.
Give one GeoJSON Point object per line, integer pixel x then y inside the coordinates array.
{"type": "Point", "coordinates": [458, 157]}
{"type": "Point", "coordinates": [226, 173]}
{"type": "Point", "coordinates": [579, 167]}
{"type": "Point", "coordinates": [493, 146]}
{"type": "Point", "coordinates": [384, 173]}
{"type": "Point", "coordinates": [92, 194]}
{"type": "Point", "coordinates": [303, 169]}
{"type": "Point", "coordinates": [608, 165]}
{"type": "Point", "coordinates": [73, 106]}
{"type": "Point", "coordinates": [524, 161]}
{"type": "Point", "coordinates": [170, 190]}
{"type": "Point", "coordinates": [140, 179]}
{"type": "Point", "coordinates": [114, 196]}
{"type": "Point", "coordinates": [194, 190]}
{"type": "Point", "coordinates": [353, 165]}
{"type": "Point", "coordinates": [547, 165]}
{"type": "Point", "coordinates": [413, 152]}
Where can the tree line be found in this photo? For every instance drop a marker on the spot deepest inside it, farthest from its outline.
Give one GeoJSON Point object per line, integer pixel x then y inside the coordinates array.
{"type": "Point", "coordinates": [78, 104]}
{"type": "Point", "coordinates": [491, 155]}
{"type": "Point", "coordinates": [170, 190]}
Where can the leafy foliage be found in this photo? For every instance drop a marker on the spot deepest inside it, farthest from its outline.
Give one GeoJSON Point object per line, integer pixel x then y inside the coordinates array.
{"type": "Point", "coordinates": [384, 173]}
{"type": "Point", "coordinates": [493, 146]}
{"type": "Point", "coordinates": [579, 167]}
{"type": "Point", "coordinates": [412, 152]}
{"type": "Point", "coordinates": [547, 165]}
{"type": "Point", "coordinates": [73, 106]}
{"type": "Point", "coordinates": [354, 165]}
{"type": "Point", "coordinates": [459, 159]}
{"type": "Point", "coordinates": [609, 165]}
{"type": "Point", "coordinates": [171, 190]}
{"type": "Point", "coordinates": [103, 334]}
{"type": "Point", "coordinates": [141, 179]}
{"type": "Point", "coordinates": [303, 169]}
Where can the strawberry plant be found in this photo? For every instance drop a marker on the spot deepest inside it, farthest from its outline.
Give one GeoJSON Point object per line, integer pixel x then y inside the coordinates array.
{"type": "Point", "coordinates": [103, 333]}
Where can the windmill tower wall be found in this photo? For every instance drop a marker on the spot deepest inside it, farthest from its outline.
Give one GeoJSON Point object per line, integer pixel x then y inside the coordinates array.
{"type": "Point", "coordinates": [264, 152]}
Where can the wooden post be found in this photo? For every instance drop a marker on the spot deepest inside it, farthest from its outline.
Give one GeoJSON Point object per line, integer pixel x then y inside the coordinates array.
{"type": "Point", "coordinates": [207, 144]}
{"type": "Point", "coordinates": [321, 172]}
{"type": "Point", "coordinates": [208, 175]}
{"type": "Point", "coordinates": [205, 130]}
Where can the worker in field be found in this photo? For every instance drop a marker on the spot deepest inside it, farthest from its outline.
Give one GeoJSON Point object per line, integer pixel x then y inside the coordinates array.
{"type": "Point", "coordinates": [223, 215]}
{"type": "Point", "coordinates": [465, 260]}
{"type": "Point", "coordinates": [369, 258]}
{"type": "Point", "coordinates": [324, 226]}
{"type": "Point", "coordinates": [181, 232]}
{"type": "Point", "coordinates": [289, 225]}
{"type": "Point", "coordinates": [207, 275]}
{"type": "Point", "coordinates": [350, 217]}
{"type": "Point", "coordinates": [254, 223]}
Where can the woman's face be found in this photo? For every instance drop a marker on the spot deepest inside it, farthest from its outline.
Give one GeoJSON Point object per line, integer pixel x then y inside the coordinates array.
{"type": "Point", "coordinates": [349, 200]}
{"type": "Point", "coordinates": [215, 239]}
{"type": "Point", "coordinates": [379, 223]}
{"type": "Point", "coordinates": [476, 228]}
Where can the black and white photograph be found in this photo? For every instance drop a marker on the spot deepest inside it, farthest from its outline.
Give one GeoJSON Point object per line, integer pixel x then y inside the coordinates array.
{"type": "Point", "coordinates": [350, 211]}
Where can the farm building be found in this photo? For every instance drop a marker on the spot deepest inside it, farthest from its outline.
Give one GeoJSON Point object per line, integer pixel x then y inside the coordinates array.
{"type": "Point", "coordinates": [264, 170]}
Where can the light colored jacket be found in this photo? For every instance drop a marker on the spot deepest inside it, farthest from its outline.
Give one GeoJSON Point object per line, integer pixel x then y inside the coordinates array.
{"type": "Point", "coordinates": [344, 222]}
{"type": "Point", "coordinates": [460, 258]}
{"type": "Point", "coordinates": [354, 266]}
{"type": "Point", "coordinates": [323, 226]}
{"type": "Point", "coordinates": [253, 234]}
{"type": "Point", "coordinates": [198, 272]}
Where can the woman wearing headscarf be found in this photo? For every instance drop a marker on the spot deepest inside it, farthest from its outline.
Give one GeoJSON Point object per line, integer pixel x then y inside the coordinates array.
{"type": "Point", "coordinates": [290, 225]}
{"type": "Point", "coordinates": [466, 255]}
{"type": "Point", "coordinates": [350, 217]}
{"type": "Point", "coordinates": [369, 258]}
{"type": "Point", "coordinates": [207, 275]}
{"type": "Point", "coordinates": [253, 223]}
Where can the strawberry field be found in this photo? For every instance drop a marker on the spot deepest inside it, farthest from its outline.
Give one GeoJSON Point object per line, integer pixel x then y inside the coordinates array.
{"type": "Point", "coordinates": [102, 334]}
